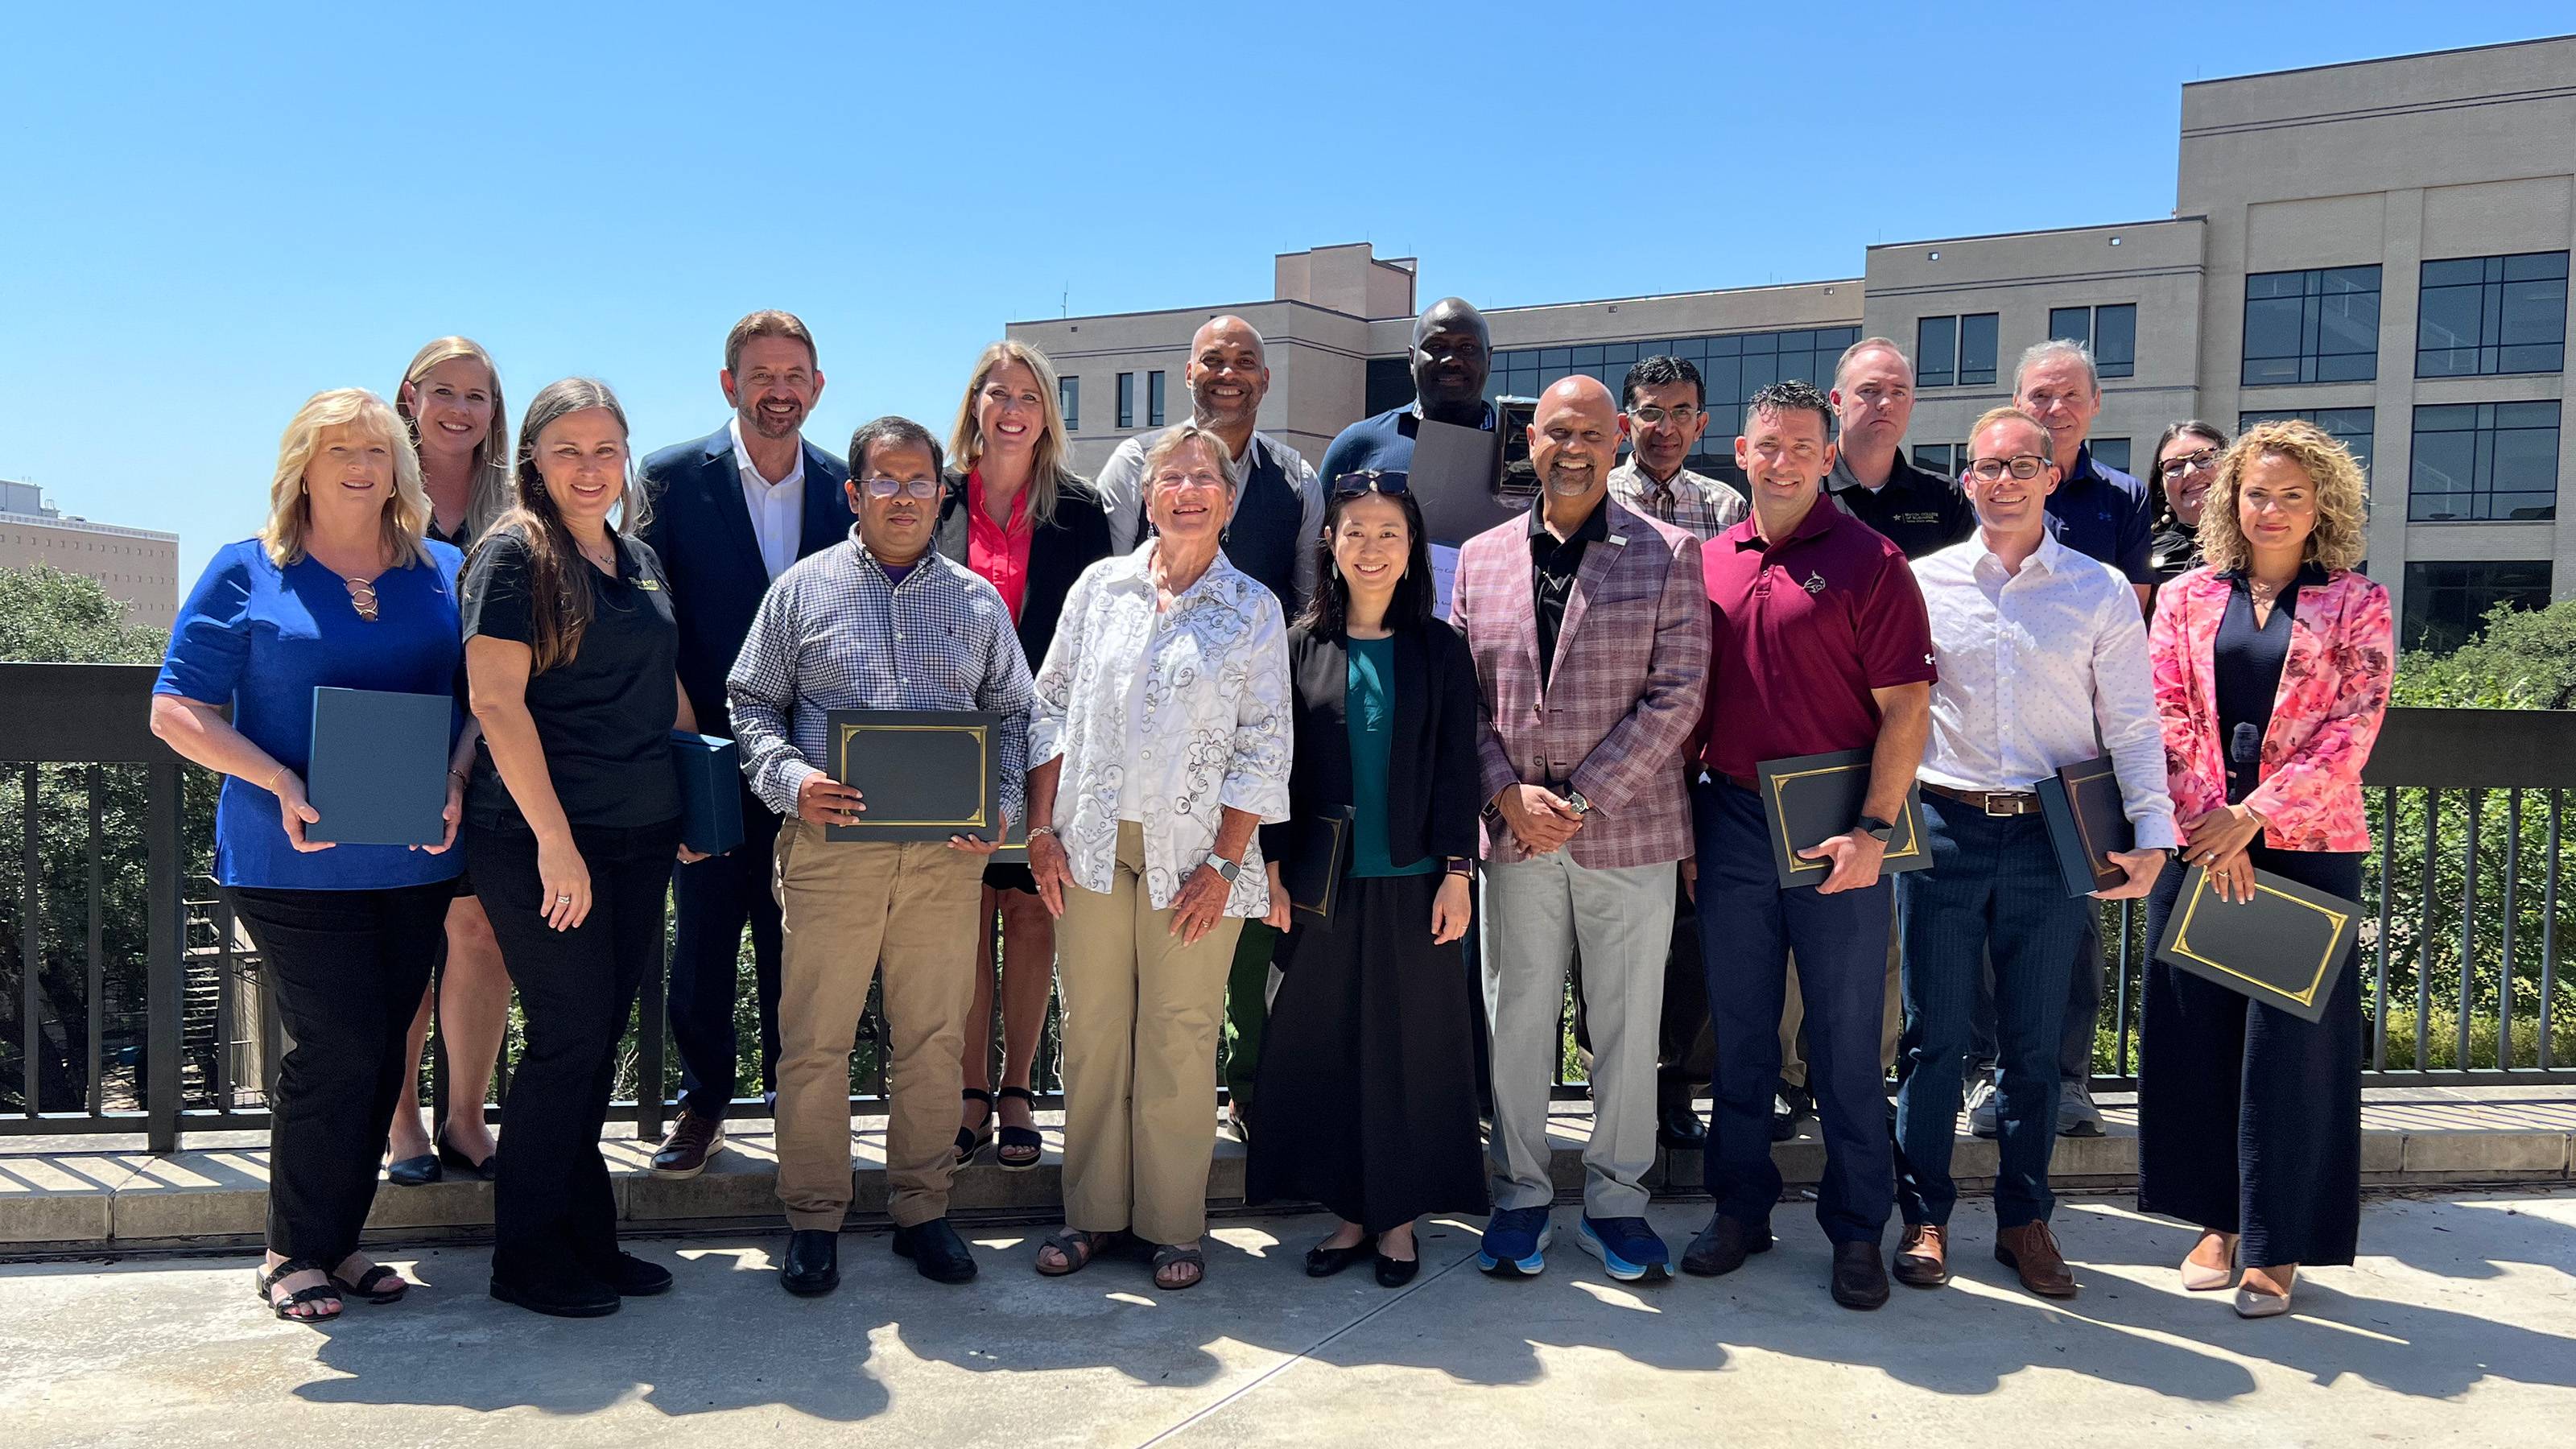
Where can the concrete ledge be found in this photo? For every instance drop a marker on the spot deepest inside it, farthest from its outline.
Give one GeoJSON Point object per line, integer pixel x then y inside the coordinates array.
{"type": "Point", "coordinates": [60, 1196]}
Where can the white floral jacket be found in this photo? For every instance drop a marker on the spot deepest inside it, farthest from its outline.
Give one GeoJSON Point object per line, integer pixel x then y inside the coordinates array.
{"type": "Point", "coordinates": [1212, 726]}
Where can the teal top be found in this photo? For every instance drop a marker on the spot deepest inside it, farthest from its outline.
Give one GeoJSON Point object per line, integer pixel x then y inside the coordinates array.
{"type": "Point", "coordinates": [1369, 709]}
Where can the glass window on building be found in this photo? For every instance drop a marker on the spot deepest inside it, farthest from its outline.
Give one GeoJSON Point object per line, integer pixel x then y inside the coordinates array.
{"type": "Point", "coordinates": [2109, 452]}
{"type": "Point", "coordinates": [2109, 332]}
{"type": "Point", "coordinates": [1154, 398]}
{"type": "Point", "coordinates": [2312, 326]}
{"type": "Point", "coordinates": [2484, 461]}
{"type": "Point", "coordinates": [2485, 316]}
{"type": "Point", "coordinates": [1068, 398]}
{"type": "Point", "coordinates": [2448, 602]}
{"type": "Point", "coordinates": [1978, 347]}
{"type": "Point", "coordinates": [1936, 352]}
{"type": "Point", "coordinates": [2348, 426]}
{"type": "Point", "coordinates": [1126, 399]}
{"type": "Point", "coordinates": [1390, 384]}
{"type": "Point", "coordinates": [1732, 368]}
{"type": "Point", "coordinates": [1933, 458]}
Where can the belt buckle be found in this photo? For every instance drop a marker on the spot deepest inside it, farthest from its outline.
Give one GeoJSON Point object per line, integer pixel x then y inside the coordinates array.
{"type": "Point", "coordinates": [1988, 803]}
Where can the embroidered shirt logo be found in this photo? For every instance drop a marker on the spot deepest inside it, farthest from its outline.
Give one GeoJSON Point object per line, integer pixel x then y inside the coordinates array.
{"type": "Point", "coordinates": [1815, 583]}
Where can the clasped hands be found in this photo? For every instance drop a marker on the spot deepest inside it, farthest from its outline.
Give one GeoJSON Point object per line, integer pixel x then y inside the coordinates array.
{"type": "Point", "coordinates": [1541, 820]}
{"type": "Point", "coordinates": [2219, 840]}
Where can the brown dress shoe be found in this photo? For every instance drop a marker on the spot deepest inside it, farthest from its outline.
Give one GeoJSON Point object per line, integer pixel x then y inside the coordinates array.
{"type": "Point", "coordinates": [693, 1140]}
{"type": "Point", "coordinates": [1923, 1256]}
{"type": "Point", "coordinates": [2031, 1251]}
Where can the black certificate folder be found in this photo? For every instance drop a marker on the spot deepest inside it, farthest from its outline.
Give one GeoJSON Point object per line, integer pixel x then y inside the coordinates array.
{"type": "Point", "coordinates": [2087, 820]}
{"type": "Point", "coordinates": [2285, 948]}
{"type": "Point", "coordinates": [923, 774]}
{"type": "Point", "coordinates": [1813, 798]}
{"type": "Point", "coordinates": [710, 792]}
{"type": "Point", "coordinates": [378, 775]}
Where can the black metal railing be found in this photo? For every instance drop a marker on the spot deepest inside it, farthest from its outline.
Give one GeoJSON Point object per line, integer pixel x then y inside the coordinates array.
{"type": "Point", "coordinates": [130, 1003]}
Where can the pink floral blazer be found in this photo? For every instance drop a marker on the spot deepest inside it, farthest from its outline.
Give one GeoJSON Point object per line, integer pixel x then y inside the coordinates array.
{"type": "Point", "coordinates": [2334, 692]}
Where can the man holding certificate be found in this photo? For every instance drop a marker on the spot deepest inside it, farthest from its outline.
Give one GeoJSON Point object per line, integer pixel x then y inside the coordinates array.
{"type": "Point", "coordinates": [2038, 647]}
{"type": "Point", "coordinates": [882, 622]}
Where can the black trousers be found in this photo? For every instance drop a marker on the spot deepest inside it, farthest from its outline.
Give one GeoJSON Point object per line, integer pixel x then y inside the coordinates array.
{"type": "Point", "coordinates": [554, 1214]}
{"type": "Point", "coordinates": [711, 902]}
{"type": "Point", "coordinates": [349, 967]}
{"type": "Point", "coordinates": [2249, 1119]}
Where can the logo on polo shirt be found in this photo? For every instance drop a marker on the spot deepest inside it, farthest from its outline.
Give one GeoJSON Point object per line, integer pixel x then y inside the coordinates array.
{"type": "Point", "coordinates": [1815, 583]}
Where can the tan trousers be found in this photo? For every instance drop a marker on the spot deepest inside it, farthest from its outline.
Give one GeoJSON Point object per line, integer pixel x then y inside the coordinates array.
{"type": "Point", "coordinates": [1793, 1016]}
{"type": "Point", "coordinates": [1141, 1017]}
{"type": "Point", "coordinates": [846, 908]}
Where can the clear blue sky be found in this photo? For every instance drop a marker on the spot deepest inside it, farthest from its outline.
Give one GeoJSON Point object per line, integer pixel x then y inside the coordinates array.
{"type": "Point", "coordinates": [207, 213]}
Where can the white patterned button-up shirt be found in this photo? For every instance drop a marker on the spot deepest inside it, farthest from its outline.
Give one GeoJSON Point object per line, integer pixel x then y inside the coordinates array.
{"type": "Point", "coordinates": [2033, 664]}
{"type": "Point", "coordinates": [1206, 686]}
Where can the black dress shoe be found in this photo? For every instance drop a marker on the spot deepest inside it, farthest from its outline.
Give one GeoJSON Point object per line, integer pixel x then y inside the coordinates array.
{"type": "Point", "coordinates": [936, 1251]}
{"type": "Point", "coordinates": [570, 1296]}
{"type": "Point", "coordinates": [418, 1171]}
{"type": "Point", "coordinates": [1722, 1247]}
{"type": "Point", "coordinates": [812, 1266]}
{"type": "Point", "coordinates": [1860, 1279]}
{"type": "Point", "coordinates": [1325, 1262]}
{"type": "Point", "coordinates": [632, 1277]}
{"type": "Point", "coordinates": [1396, 1272]}
{"type": "Point", "coordinates": [451, 1158]}
{"type": "Point", "coordinates": [1677, 1126]}
{"type": "Point", "coordinates": [1792, 1109]}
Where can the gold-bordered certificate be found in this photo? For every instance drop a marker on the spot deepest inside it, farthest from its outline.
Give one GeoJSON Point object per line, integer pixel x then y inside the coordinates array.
{"type": "Point", "coordinates": [1812, 798]}
{"type": "Point", "coordinates": [922, 774]}
{"type": "Point", "coordinates": [2286, 948]}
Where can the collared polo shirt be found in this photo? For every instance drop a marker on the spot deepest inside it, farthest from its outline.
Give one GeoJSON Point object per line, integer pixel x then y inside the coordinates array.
{"type": "Point", "coordinates": [1918, 510]}
{"type": "Point", "coordinates": [1806, 628]}
{"type": "Point", "coordinates": [2104, 513]}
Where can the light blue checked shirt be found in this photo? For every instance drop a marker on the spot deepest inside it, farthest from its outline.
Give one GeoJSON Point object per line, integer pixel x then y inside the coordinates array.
{"type": "Point", "coordinates": [835, 632]}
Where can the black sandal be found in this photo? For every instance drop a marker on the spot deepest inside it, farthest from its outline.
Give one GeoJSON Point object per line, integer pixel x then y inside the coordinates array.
{"type": "Point", "coordinates": [264, 1283]}
{"type": "Point", "coordinates": [969, 1141]}
{"type": "Point", "coordinates": [1077, 1248]}
{"type": "Point", "coordinates": [1021, 1146]}
{"type": "Point", "coordinates": [370, 1285]}
{"type": "Point", "coordinates": [1167, 1255]}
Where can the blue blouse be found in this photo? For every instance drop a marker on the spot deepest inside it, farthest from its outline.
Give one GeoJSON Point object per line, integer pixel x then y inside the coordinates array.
{"type": "Point", "coordinates": [261, 639]}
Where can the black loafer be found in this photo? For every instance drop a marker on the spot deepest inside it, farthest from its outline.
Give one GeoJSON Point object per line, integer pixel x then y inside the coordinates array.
{"type": "Point", "coordinates": [1678, 1128]}
{"type": "Point", "coordinates": [1396, 1272]}
{"type": "Point", "coordinates": [936, 1251]}
{"type": "Point", "coordinates": [632, 1277]}
{"type": "Point", "coordinates": [812, 1266]}
{"type": "Point", "coordinates": [1722, 1247]}
{"type": "Point", "coordinates": [1860, 1279]}
{"type": "Point", "coordinates": [418, 1171]}
{"type": "Point", "coordinates": [1325, 1262]}
{"type": "Point", "coordinates": [571, 1297]}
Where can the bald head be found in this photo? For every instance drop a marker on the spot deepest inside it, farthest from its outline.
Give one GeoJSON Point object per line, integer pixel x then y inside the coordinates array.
{"type": "Point", "coordinates": [1452, 354]}
{"type": "Point", "coordinates": [1574, 441]}
{"type": "Point", "coordinates": [1228, 375]}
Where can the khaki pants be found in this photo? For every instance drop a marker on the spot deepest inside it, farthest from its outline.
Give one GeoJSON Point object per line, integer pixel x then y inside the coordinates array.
{"type": "Point", "coordinates": [1793, 1063]}
{"type": "Point", "coordinates": [846, 907]}
{"type": "Point", "coordinates": [1141, 1017]}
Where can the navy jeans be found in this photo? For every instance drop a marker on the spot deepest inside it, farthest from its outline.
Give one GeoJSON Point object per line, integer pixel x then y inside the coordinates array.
{"type": "Point", "coordinates": [1993, 892]}
{"type": "Point", "coordinates": [1749, 927]}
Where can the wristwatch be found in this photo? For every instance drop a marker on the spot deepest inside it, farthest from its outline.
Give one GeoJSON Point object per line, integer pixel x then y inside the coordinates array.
{"type": "Point", "coordinates": [1222, 866]}
{"type": "Point", "coordinates": [1875, 828]}
{"type": "Point", "coordinates": [1575, 802]}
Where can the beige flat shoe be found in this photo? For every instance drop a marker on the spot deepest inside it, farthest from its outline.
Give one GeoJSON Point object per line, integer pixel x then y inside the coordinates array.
{"type": "Point", "coordinates": [2199, 1279]}
{"type": "Point", "coordinates": [2250, 1304]}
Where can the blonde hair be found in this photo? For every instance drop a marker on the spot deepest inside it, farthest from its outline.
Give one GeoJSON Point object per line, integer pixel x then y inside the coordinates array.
{"type": "Point", "coordinates": [1048, 475]}
{"type": "Point", "coordinates": [1992, 416]}
{"type": "Point", "coordinates": [489, 497]}
{"type": "Point", "coordinates": [2339, 540]}
{"type": "Point", "coordinates": [406, 513]}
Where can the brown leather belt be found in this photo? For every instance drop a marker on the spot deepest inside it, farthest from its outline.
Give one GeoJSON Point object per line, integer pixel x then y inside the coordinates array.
{"type": "Point", "coordinates": [1993, 802]}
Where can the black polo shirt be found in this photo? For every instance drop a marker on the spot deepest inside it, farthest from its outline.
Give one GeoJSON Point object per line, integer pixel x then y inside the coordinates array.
{"type": "Point", "coordinates": [1553, 566]}
{"type": "Point", "coordinates": [604, 716]}
{"type": "Point", "coordinates": [1918, 510]}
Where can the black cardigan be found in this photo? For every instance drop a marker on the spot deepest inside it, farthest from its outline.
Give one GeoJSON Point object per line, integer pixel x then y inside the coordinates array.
{"type": "Point", "coordinates": [1431, 805]}
{"type": "Point", "coordinates": [1059, 550]}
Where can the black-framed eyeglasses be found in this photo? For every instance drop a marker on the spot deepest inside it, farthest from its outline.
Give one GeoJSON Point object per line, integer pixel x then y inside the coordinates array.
{"type": "Point", "coordinates": [2024, 466]}
{"type": "Point", "coordinates": [2176, 467]}
{"type": "Point", "coordinates": [1369, 480]}
{"type": "Point", "coordinates": [924, 488]}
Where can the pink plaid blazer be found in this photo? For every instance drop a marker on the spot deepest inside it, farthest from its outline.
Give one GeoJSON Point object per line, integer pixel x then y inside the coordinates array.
{"type": "Point", "coordinates": [1624, 691]}
{"type": "Point", "coordinates": [2334, 692]}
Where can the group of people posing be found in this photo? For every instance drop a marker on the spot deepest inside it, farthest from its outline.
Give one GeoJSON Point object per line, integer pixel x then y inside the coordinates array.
{"type": "Point", "coordinates": [1217, 670]}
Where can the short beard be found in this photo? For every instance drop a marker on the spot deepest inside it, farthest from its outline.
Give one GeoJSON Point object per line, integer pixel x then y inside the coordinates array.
{"type": "Point", "coordinates": [761, 424]}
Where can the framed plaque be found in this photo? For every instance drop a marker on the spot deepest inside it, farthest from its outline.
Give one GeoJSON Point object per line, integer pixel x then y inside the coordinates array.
{"type": "Point", "coordinates": [2285, 948]}
{"type": "Point", "coordinates": [923, 774]}
{"type": "Point", "coordinates": [1810, 799]}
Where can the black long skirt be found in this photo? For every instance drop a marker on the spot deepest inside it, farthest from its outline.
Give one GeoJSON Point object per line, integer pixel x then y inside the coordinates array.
{"type": "Point", "coordinates": [1367, 1092]}
{"type": "Point", "coordinates": [2249, 1119]}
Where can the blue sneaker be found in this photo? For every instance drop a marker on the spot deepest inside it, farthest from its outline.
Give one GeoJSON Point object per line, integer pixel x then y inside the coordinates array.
{"type": "Point", "coordinates": [1625, 1246]}
{"type": "Point", "coordinates": [1515, 1243]}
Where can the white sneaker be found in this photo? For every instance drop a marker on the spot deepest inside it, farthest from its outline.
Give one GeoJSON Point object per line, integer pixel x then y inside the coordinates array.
{"type": "Point", "coordinates": [1984, 1118]}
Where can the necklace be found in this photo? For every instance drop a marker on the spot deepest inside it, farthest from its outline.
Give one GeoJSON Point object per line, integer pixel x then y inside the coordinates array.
{"type": "Point", "coordinates": [362, 596]}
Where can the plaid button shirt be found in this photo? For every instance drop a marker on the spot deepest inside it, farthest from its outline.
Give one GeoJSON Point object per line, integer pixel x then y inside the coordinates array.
{"type": "Point", "coordinates": [1692, 502]}
{"type": "Point", "coordinates": [836, 633]}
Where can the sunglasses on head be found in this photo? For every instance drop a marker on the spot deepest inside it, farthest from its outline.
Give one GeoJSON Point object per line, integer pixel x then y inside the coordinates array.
{"type": "Point", "coordinates": [1369, 480]}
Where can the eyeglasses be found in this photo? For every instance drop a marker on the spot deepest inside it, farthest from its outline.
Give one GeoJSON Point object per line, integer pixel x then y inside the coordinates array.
{"type": "Point", "coordinates": [924, 488]}
{"type": "Point", "coordinates": [2188, 462]}
{"type": "Point", "coordinates": [1654, 416]}
{"type": "Point", "coordinates": [2024, 466]}
{"type": "Point", "coordinates": [1369, 480]}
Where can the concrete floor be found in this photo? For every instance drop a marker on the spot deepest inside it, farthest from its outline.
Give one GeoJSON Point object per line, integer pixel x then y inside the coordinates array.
{"type": "Point", "coordinates": [2459, 1327]}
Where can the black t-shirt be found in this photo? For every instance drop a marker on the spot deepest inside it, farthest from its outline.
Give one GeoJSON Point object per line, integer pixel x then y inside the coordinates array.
{"type": "Point", "coordinates": [604, 715]}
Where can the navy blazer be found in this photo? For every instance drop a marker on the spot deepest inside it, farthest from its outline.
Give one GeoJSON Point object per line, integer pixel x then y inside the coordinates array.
{"type": "Point", "coordinates": [701, 528]}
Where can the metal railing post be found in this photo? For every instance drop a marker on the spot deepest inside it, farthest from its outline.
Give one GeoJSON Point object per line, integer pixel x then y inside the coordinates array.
{"type": "Point", "coordinates": [167, 919]}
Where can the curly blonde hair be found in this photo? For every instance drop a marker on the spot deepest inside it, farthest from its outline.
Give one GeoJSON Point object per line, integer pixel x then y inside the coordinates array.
{"type": "Point", "coordinates": [2339, 540]}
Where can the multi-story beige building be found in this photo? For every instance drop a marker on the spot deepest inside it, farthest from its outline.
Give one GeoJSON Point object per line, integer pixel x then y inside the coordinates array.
{"type": "Point", "coordinates": [137, 566]}
{"type": "Point", "coordinates": [2381, 247]}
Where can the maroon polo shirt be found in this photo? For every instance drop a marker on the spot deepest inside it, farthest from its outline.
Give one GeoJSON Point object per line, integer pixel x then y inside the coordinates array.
{"type": "Point", "coordinates": [1806, 628]}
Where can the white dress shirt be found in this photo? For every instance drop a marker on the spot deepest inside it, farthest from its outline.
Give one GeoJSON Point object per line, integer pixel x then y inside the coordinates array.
{"type": "Point", "coordinates": [1121, 486]}
{"type": "Point", "coordinates": [777, 509]}
{"type": "Point", "coordinates": [1165, 718]}
{"type": "Point", "coordinates": [2041, 669]}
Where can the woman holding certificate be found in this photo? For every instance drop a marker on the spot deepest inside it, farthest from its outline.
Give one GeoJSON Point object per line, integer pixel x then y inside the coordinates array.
{"type": "Point", "coordinates": [1367, 1092]}
{"type": "Point", "coordinates": [2272, 665]}
{"type": "Point", "coordinates": [571, 822]}
{"type": "Point", "coordinates": [339, 590]}
{"type": "Point", "coordinates": [1159, 744]}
